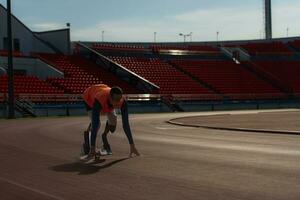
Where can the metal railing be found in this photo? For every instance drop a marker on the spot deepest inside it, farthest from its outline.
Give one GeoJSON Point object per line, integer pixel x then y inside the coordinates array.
{"type": "Point", "coordinates": [73, 97]}
{"type": "Point", "coordinates": [153, 97]}
{"type": "Point", "coordinates": [246, 96]}
{"type": "Point", "coordinates": [25, 107]}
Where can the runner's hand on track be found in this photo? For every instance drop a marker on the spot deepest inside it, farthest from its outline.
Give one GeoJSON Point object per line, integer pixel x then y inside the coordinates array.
{"type": "Point", "coordinates": [133, 151]}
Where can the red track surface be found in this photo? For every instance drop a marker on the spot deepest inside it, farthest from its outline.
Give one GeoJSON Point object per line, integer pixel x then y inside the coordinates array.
{"type": "Point", "coordinates": [38, 161]}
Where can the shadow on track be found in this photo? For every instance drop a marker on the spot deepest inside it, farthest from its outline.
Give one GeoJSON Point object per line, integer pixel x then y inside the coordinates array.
{"type": "Point", "coordinates": [85, 168]}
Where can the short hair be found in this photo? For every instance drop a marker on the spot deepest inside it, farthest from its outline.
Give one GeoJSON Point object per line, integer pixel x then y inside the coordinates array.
{"type": "Point", "coordinates": [116, 91]}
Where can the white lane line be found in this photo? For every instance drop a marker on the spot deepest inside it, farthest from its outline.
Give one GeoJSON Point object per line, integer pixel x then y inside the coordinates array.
{"type": "Point", "coordinates": [171, 128]}
{"type": "Point", "coordinates": [214, 145]}
{"type": "Point", "coordinates": [31, 189]}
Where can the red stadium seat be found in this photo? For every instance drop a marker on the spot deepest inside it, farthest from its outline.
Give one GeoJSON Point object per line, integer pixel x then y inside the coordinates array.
{"type": "Point", "coordinates": [169, 79]}
{"type": "Point", "coordinates": [80, 73]}
{"type": "Point", "coordinates": [286, 71]}
{"type": "Point", "coordinates": [228, 78]}
{"type": "Point", "coordinates": [269, 48]}
{"type": "Point", "coordinates": [28, 84]}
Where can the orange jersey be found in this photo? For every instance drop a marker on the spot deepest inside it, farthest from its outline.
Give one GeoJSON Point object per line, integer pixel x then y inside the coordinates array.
{"type": "Point", "coordinates": [100, 92]}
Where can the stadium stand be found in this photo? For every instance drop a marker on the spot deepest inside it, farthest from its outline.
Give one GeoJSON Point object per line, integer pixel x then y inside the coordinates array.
{"type": "Point", "coordinates": [229, 78]}
{"type": "Point", "coordinates": [15, 53]}
{"type": "Point", "coordinates": [80, 73]}
{"type": "Point", "coordinates": [169, 79]}
{"type": "Point", "coordinates": [124, 47]}
{"type": "Point", "coordinates": [224, 76]}
{"type": "Point", "coordinates": [201, 48]}
{"type": "Point", "coordinates": [29, 85]}
{"type": "Point", "coordinates": [154, 48]}
{"type": "Point", "coordinates": [286, 71]}
{"type": "Point", "coordinates": [296, 44]}
{"type": "Point", "coordinates": [267, 48]}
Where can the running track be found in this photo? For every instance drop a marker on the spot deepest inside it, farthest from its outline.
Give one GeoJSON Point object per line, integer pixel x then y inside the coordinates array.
{"type": "Point", "coordinates": [39, 160]}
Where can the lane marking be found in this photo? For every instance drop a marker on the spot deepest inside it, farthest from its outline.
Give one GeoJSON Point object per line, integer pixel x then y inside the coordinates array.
{"type": "Point", "coordinates": [31, 189]}
{"type": "Point", "coordinates": [215, 145]}
{"type": "Point", "coordinates": [171, 127]}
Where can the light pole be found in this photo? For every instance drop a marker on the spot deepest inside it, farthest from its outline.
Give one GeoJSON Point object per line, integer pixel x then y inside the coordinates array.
{"type": "Point", "coordinates": [287, 31]}
{"type": "Point", "coordinates": [218, 36]}
{"type": "Point", "coordinates": [185, 35]}
{"type": "Point", "coordinates": [102, 35]}
{"type": "Point", "coordinates": [155, 34]}
{"type": "Point", "coordinates": [181, 34]}
{"type": "Point", "coordinates": [69, 36]}
{"type": "Point", "coordinates": [10, 71]}
{"type": "Point", "coordinates": [268, 19]}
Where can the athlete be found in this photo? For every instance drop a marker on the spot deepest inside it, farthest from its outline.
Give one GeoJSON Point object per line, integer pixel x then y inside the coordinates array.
{"type": "Point", "coordinates": [103, 100]}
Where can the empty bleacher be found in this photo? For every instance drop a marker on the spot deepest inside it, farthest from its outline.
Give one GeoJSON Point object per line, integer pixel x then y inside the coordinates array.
{"type": "Point", "coordinates": [296, 44]}
{"type": "Point", "coordinates": [154, 47]}
{"type": "Point", "coordinates": [198, 48]}
{"type": "Point", "coordinates": [180, 77]}
{"type": "Point", "coordinates": [119, 47]}
{"type": "Point", "coordinates": [28, 85]}
{"type": "Point", "coordinates": [270, 48]}
{"type": "Point", "coordinates": [229, 78]}
{"type": "Point", "coordinates": [15, 53]}
{"type": "Point", "coordinates": [80, 73]}
{"type": "Point", "coordinates": [169, 79]}
{"type": "Point", "coordinates": [286, 71]}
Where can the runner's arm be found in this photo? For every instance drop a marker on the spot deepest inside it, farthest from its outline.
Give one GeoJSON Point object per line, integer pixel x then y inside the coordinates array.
{"type": "Point", "coordinates": [125, 121]}
{"type": "Point", "coordinates": [95, 121]}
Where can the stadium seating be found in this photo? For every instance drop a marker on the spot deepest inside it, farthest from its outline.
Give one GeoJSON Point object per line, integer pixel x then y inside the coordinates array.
{"type": "Point", "coordinates": [287, 71]}
{"type": "Point", "coordinates": [224, 76]}
{"type": "Point", "coordinates": [154, 48]}
{"type": "Point", "coordinates": [169, 79]}
{"type": "Point", "coordinates": [201, 48]}
{"type": "Point", "coordinates": [229, 78]}
{"type": "Point", "coordinates": [267, 48]}
{"type": "Point", "coordinates": [124, 47]}
{"type": "Point", "coordinates": [28, 85]}
{"type": "Point", "coordinates": [15, 53]}
{"type": "Point", "coordinates": [80, 73]}
{"type": "Point", "coordinates": [296, 44]}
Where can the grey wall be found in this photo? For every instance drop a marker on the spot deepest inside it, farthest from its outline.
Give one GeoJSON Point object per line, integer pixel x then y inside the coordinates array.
{"type": "Point", "coordinates": [29, 42]}
{"type": "Point", "coordinates": [60, 39]}
{"type": "Point", "coordinates": [33, 66]}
